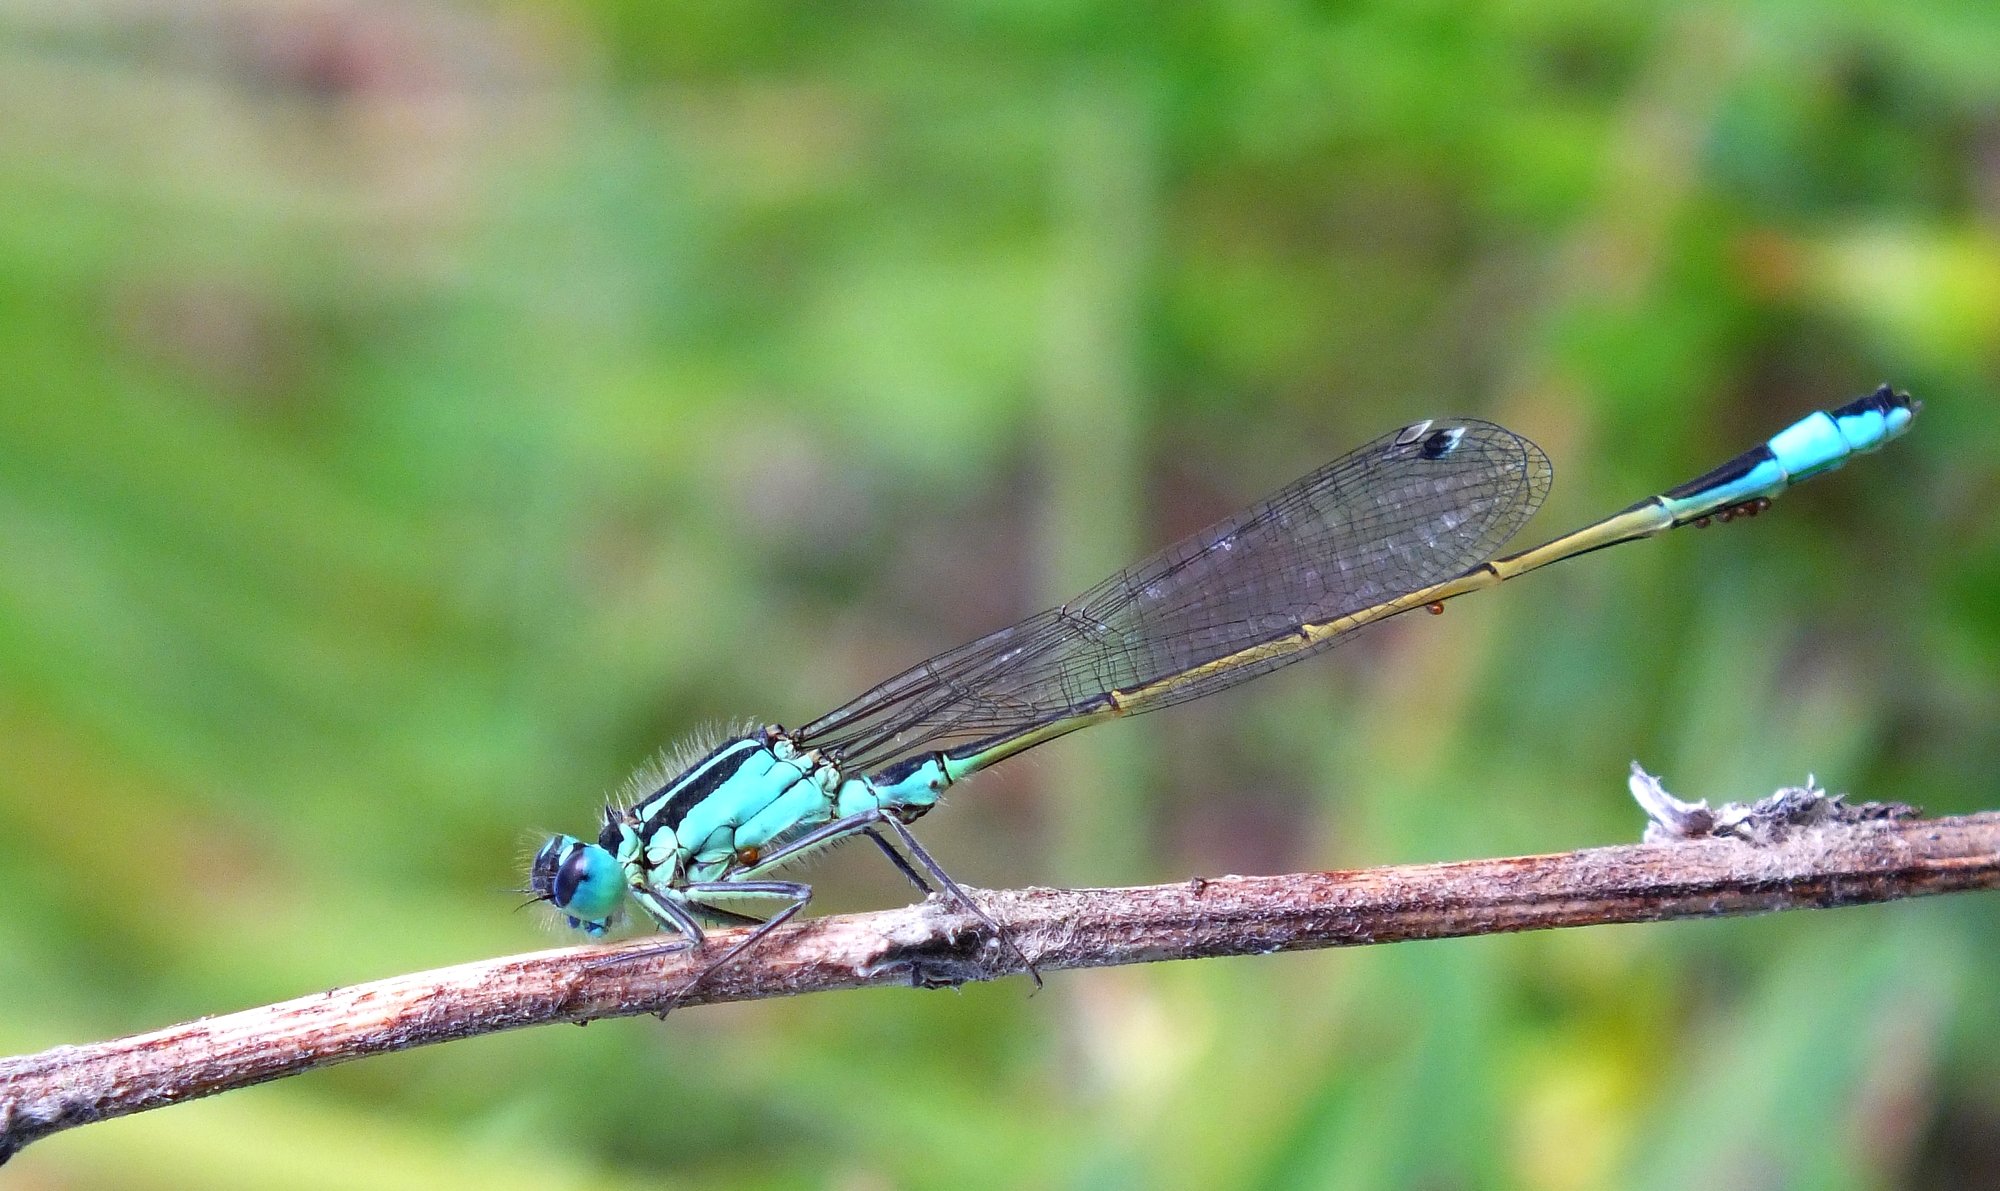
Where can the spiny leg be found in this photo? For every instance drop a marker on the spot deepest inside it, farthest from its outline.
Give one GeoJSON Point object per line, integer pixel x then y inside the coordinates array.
{"type": "Point", "coordinates": [864, 823]}
{"type": "Point", "coordinates": [671, 908]}
{"type": "Point", "coordinates": [950, 886]}
{"type": "Point", "coordinates": [718, 915]}
{"type": "Point", "coordinates": [896, 858]}
{"type": "Point", "coordinates": [799, 893]}
{"type": "Point", "coordinates": [674, 910]}
{"type": "Point", "coordinates": [669, 913]}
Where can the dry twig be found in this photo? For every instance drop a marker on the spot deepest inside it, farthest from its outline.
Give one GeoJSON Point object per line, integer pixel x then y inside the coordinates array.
{"type": "Point", "coordinates": [1829, 857]}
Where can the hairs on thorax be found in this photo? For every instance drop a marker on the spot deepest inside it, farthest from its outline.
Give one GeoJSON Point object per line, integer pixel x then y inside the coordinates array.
{"type": "Point", "coordinates": [673, 759]}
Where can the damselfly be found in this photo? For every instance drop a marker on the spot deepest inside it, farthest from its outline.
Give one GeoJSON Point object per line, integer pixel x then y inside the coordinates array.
{"type": "Point", "coordinates": [1407, 521]}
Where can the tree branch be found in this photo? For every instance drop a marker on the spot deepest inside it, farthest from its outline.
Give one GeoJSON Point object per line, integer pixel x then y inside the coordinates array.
{"type": "Point", "coordinates": [1833, 859]}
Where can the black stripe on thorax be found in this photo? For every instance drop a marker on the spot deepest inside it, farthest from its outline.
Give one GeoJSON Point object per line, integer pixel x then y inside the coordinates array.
{"type": "Point", "coordinates": [695, 783]}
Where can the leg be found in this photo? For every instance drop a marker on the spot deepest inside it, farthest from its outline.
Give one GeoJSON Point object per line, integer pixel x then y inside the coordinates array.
{"type": "Point", "coordinates": [950, 886]}
{"type": "Point", "coordinates": [716, 915]}
{"type": "Point", "coordinates": [666, 910]}
{"type": "Point", "coordinates": [797, 892]}
{"type": "Point", "coordinates": [865, 823]}
{"type": "Point", "coordinates": [896, 858]}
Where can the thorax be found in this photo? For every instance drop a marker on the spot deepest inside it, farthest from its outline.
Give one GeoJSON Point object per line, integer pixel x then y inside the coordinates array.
{"type": "Point", "coordinates": [723, 810]}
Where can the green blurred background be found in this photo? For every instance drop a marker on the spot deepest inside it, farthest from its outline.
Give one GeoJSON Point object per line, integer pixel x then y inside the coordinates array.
{"type": "Point", "coordinates": [411, 416]}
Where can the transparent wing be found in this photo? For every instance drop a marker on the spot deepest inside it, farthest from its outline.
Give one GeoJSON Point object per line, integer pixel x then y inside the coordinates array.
{"type": "Point", "coordinates": [1410, 509]}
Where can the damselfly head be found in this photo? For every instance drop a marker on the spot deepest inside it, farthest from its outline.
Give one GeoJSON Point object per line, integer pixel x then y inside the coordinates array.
{"type": "Point", "coordinates": [583, 881]}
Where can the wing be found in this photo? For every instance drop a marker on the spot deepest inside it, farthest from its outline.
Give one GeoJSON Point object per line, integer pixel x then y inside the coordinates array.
{"type": "Point", "coordinates": [1410, 509]}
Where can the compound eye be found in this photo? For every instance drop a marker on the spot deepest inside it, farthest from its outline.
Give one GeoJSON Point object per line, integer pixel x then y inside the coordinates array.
{"type": "Point", "coordinates": [542, 872]}
{"type": "Point", "coordinates": [575, 871]}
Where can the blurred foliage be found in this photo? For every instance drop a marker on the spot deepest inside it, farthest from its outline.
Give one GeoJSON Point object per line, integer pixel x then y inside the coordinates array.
{"type": "Point", "coordinates": [412, 415]}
